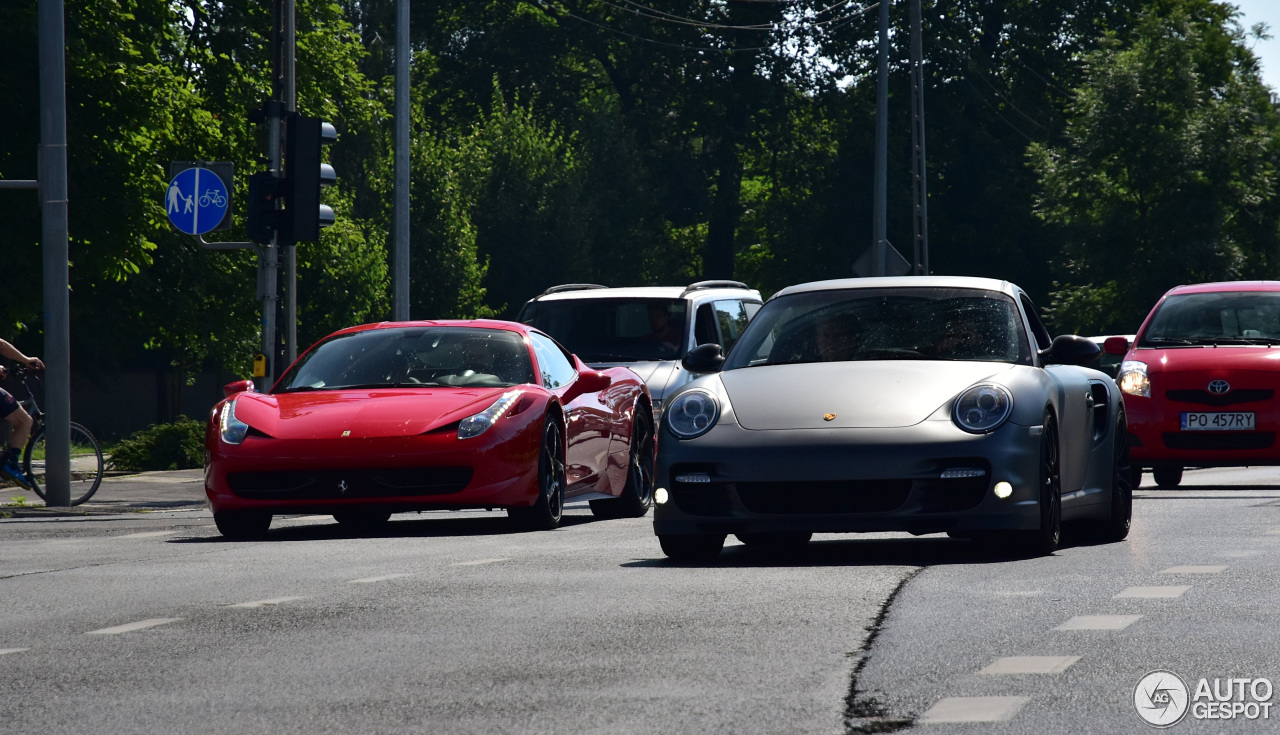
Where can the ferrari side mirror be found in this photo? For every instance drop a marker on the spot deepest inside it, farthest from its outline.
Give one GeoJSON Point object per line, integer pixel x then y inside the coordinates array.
{"type": "Point", "coordinates": [708, 358]}
{"type": "Point", "coordinates": [240, 386]}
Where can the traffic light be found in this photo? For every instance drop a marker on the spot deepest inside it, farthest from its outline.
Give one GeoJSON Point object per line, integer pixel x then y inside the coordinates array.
{"type": "Point", "coordinates": [264, 189]}
{"type": "Point", "coordinates": [304, 175]}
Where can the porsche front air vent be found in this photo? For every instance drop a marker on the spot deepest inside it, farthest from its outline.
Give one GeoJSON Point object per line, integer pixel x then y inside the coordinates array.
{"type": "Point", "coordinates": [358, 483]}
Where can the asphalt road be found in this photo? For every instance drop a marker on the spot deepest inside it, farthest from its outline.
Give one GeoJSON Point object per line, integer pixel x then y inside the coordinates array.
{"type": "Point", "coordinates": [148, 622]}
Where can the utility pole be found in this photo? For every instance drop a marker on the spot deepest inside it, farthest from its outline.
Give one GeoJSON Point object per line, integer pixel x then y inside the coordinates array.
{"type": "Point", "coordinates": [290, 98]}
{"type": "Point", "coordinates": [919, 193]}
{"type": "Point", "coordinates": [53, 207]}
{"type": "Point", "coordinates": [879, 234]}
{"type": "Point", "coordinates": [268, 258]}
{"type": "Point", "coordinates": [400, 260]}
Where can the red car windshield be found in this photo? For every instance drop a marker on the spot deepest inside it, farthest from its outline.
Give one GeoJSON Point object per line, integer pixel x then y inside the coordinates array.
{"type": "Point", "coordinates": [413, 357]}
{"type": "Point", "coordinates": [1219, 318]}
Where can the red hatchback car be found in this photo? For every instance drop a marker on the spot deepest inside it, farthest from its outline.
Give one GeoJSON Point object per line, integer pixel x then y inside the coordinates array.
{"type": "Point", "coordinates": [393, 417]}
{"type": "Point", "coordinates": [1200, 379]}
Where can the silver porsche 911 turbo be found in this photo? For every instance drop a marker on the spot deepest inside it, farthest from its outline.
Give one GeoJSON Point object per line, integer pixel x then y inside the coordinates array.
{"type": "Point", "coordinates": [920, 404]}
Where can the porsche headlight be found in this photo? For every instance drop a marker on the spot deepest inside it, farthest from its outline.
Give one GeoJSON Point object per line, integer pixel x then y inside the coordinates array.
{"type": "Point", "coordinates": [692, 413]}
{"type": "Point", "coordinates": [983, 408]}
{"type": "Point", "coordinates": [233, 430]}
{"type": "Point", "coordinates": [473, 426]}
{"type": "Point", "coordinates": [1133, 379]}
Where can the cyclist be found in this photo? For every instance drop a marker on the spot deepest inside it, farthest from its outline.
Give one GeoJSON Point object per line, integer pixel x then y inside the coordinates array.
{"type": "Point", "coordinates": [17, 417]}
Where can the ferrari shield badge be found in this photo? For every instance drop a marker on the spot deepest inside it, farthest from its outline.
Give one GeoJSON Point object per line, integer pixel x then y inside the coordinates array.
{"type": "Point", "coordinates": [347, 432]}
{"type": "Point", "coordinates": [828, 416]}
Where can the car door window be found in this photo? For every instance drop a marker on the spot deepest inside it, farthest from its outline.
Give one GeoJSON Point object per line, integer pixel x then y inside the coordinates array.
{"type": "Point", "coordinates": [556, 369]}
{"type": "Point", "coordinates": [731, 317]}
{"type": "Point", "coordinates": [704, 328]}
{"type": "Point", "coordinates": [1043, 340]}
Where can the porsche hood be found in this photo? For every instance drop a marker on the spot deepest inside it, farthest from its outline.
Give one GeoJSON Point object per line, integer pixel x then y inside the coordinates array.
{"type": "Point", "coordinates": [366, 414]}
{"type": "Point", "coordinates": [877, 394]}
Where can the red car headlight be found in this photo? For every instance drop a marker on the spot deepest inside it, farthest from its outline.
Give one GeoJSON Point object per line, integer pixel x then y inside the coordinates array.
{"type": "Point", "coordinates": [1133, 379]}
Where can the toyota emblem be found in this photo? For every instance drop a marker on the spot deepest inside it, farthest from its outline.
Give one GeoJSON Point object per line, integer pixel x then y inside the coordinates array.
{"type": "Point", "coordinates": [1219, 386]}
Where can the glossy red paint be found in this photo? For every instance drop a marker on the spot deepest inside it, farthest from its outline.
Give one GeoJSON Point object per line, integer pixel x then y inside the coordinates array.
{"type": "Point", "coordinates": [1180, 379]}
{"type": "Point", "coordinates": [387, 446]}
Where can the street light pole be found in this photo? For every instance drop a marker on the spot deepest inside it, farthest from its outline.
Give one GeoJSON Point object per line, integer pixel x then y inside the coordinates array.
{"type": "Point", "coordinates": [919, 193]}
{"type": "Point", "coordinates": [879, 234]}
{"type": "Point", "coordinates": [400, 260]}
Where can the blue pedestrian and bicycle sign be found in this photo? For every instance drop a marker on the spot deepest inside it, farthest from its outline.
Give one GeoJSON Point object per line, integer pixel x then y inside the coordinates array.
{"type": "Point", "coordinates": [197, 200]}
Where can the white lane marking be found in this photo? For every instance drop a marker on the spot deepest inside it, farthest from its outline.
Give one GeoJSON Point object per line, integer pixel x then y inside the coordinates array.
{"type": "Point", "coordinates": [127, 627]}
{"type": "Point", "coordinates": [1175, 590]}
{"type": "Point", "coordinates": [480, 561]}
{"type": "Point", "coordinates": [1030, 665]}
{"type": "Point", "coordinates": [309, 518]}
{"type": "Point", "coordinates": [1195, 569]}
{"type": "Point", "coordinates": [1099, 622]}
{"type": "Point", "coordinates": [1016, 593]}
{"type": "Point", "coordinates": [973, 709]}
{"type": "Point", "coordinates": [383, 578]}
{"type": "Point", "coordinates": [1274, 532]}
{"type": "Point", "coordinates": [149, 534]}
{"type": "Point", "coordinates": [264, 603]}
{"type": "Point", "coordinates": [3, 651]}
{"type": "Point", "coordinates": [1238, 554]}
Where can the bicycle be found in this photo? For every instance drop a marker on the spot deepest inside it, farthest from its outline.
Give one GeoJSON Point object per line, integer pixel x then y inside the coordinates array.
{"type": "Point", "coordinates": [86, 456]}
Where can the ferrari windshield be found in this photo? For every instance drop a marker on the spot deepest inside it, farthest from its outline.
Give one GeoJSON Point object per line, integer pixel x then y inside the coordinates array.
{"type": "Point", "coordinates": [1225, 317]}
{"type": "Point", "coordinates": [413, 356]}
{"type": "Point", "coordinates": [613, 330]}
{"type": "Point", "coordinates": [884, 324]}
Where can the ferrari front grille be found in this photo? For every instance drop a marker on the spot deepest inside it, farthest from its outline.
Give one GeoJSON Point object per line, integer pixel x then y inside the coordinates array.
{"type": "Point", "coordinates": [356, 483]}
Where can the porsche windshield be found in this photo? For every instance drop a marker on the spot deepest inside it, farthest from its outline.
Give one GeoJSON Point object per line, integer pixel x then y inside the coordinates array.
{"type": "Point", "coordinates": [1222, 318]}
{"type": "Point", "coordinates": [413, 356]}
{"type": "Point", "coordinates": [613, 330]}
{"type": "Point", "coordinates": [884, 324]}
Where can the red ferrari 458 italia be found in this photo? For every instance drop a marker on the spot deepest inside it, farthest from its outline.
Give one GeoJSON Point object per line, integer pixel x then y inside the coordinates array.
{"type": "Point", "coordinates": [1200, 379]}
{"type": "Point", "coordinates": [394, 417]}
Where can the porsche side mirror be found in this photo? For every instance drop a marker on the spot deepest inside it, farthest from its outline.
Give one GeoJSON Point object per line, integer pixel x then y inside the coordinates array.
{"type": "Point", "coordinates": [708, 358]}
{"type": "Point", "coordinates": [1116, 345]}
{"type": "Point", "coordinates": [1068, 349]}
{"type": "Point", "coordinates": [592, 381]}
{"type": "Point", "coordinates": [240, 386]}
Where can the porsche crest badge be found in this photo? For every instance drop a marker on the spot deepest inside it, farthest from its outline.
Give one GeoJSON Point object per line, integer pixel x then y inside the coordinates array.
{"type": "Point", "coordinates": [828, 416]}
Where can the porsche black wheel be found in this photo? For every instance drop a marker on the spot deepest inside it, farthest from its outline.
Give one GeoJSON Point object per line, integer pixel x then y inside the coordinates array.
{"type": "Point", "coordinates": [699, 547]}
{"type": "Point", "coordinates": [637, 494]}
{"type": "Point", "coordinates": [1167, 476]}
{"type": "Point", "coordinates": [242, 524]}
{"type": "Point", "coordinates": [779, 542]}
{"type": "Point", "coordinates": [546, 512]}
{"type": "Point", "coordinates": [1045, 539]}
{"type": "Point", "coordinates": [362, 520]}
{"type": "Point", "coordinates": [1116, 528]}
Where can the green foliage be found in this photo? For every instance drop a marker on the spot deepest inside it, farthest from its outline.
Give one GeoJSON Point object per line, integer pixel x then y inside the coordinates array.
{"type": "Point", "coordinates": [175, 446]}
{"type": "Point", "coordinates": [1167, 174]}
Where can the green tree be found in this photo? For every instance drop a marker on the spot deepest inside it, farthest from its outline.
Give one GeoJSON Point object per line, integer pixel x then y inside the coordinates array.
{"type": "Point", "coordinates": [1167, 171]}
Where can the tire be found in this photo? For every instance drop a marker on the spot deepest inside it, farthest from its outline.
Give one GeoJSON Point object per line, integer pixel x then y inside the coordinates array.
{"type": "Point", "coordinates": [775, 542]}
{"type": "Point", "coordinates": [1135, 474]}
{"type": "Point", "coordinates": [1045, 539]}
{"type": "Point", "coordinates": [1167, 477]}
{"type": "Point", "coordinates": [545, 514]}
{"type": "Point", "coordinates": [1116, 528]}
{"type": "Point", "coordinates": [242, 524]}
{"type": "Point", "coordinates": [700, 547]}
{"type": "Point", "coordinates": [86, 463]}
{"type": "Point", "coordinates": [637, 493]}
{"type": "Point", "coordinates": [362, 519]}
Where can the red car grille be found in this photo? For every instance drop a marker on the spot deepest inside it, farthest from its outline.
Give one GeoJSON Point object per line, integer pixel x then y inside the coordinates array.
{"type": "Point", "coordinates": [1205, 398]}
{"type": "Point", "coordinates": [357, 483]}
{"type": "Point", "coordinates": [1219, 440]}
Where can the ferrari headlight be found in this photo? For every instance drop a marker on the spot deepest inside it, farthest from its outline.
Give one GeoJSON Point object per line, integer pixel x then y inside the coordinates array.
{"type": "Point", "coordinates": [1133, 379]}
{"type": "Point", "coordinates": [473, 426]}
{"type": "Point", "coordinates": [692, 413]}
{"type": "Point", "coordinates": [983, 408]}
{"type": "Point", "coordinates": [233, 430]}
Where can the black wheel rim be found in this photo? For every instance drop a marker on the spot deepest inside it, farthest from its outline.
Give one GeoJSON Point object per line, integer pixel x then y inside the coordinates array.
{"type": "Point", "coordinates": [1051, 492]}
{"type": "Point", "coordinates": [642, 460]}
{"type": "Point", "coordinates": [1123, 485]}
{"type": "Point", "coordinates": [553, 470]}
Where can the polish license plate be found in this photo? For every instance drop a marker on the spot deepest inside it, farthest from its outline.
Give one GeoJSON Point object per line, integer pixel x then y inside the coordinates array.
{"type": "Point", "coordinates": [1223, 421]}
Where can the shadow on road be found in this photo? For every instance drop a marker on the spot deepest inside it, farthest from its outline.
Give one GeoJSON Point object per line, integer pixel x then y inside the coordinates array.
{"type": "Point", "coordinates": [432, 527]}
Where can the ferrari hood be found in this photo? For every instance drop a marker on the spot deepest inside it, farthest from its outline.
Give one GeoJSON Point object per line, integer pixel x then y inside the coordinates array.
{"type": "Point", "coordinates": [365, 413]}
{"type": "Point", "coordinates": [878, 394]}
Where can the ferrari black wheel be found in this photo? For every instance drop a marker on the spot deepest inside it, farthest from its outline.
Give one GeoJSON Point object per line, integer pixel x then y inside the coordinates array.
{"type": "Point", "coordinates": [1167, 476]}
{"type": "Point", "coordinates": [1116, 528]}
{"type": "Point", "coordinates": [546, 512]}
{"type": "Point", "coordinates": [698, 547]}
{"type": "Point", "coordinates": [778, 542]}
{"type": "Point", "coordinates": [242, 524]}
{"type": "Point", "coordinates": [637, 494]}
{"type": "Point", "coordinates": [1045, 539]}
{"type": "Point", "coordinates": [362, 519]}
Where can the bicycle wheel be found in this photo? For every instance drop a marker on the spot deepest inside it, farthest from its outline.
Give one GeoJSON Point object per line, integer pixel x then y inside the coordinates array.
{"type": "Point", "coordinates": [86, 463]}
